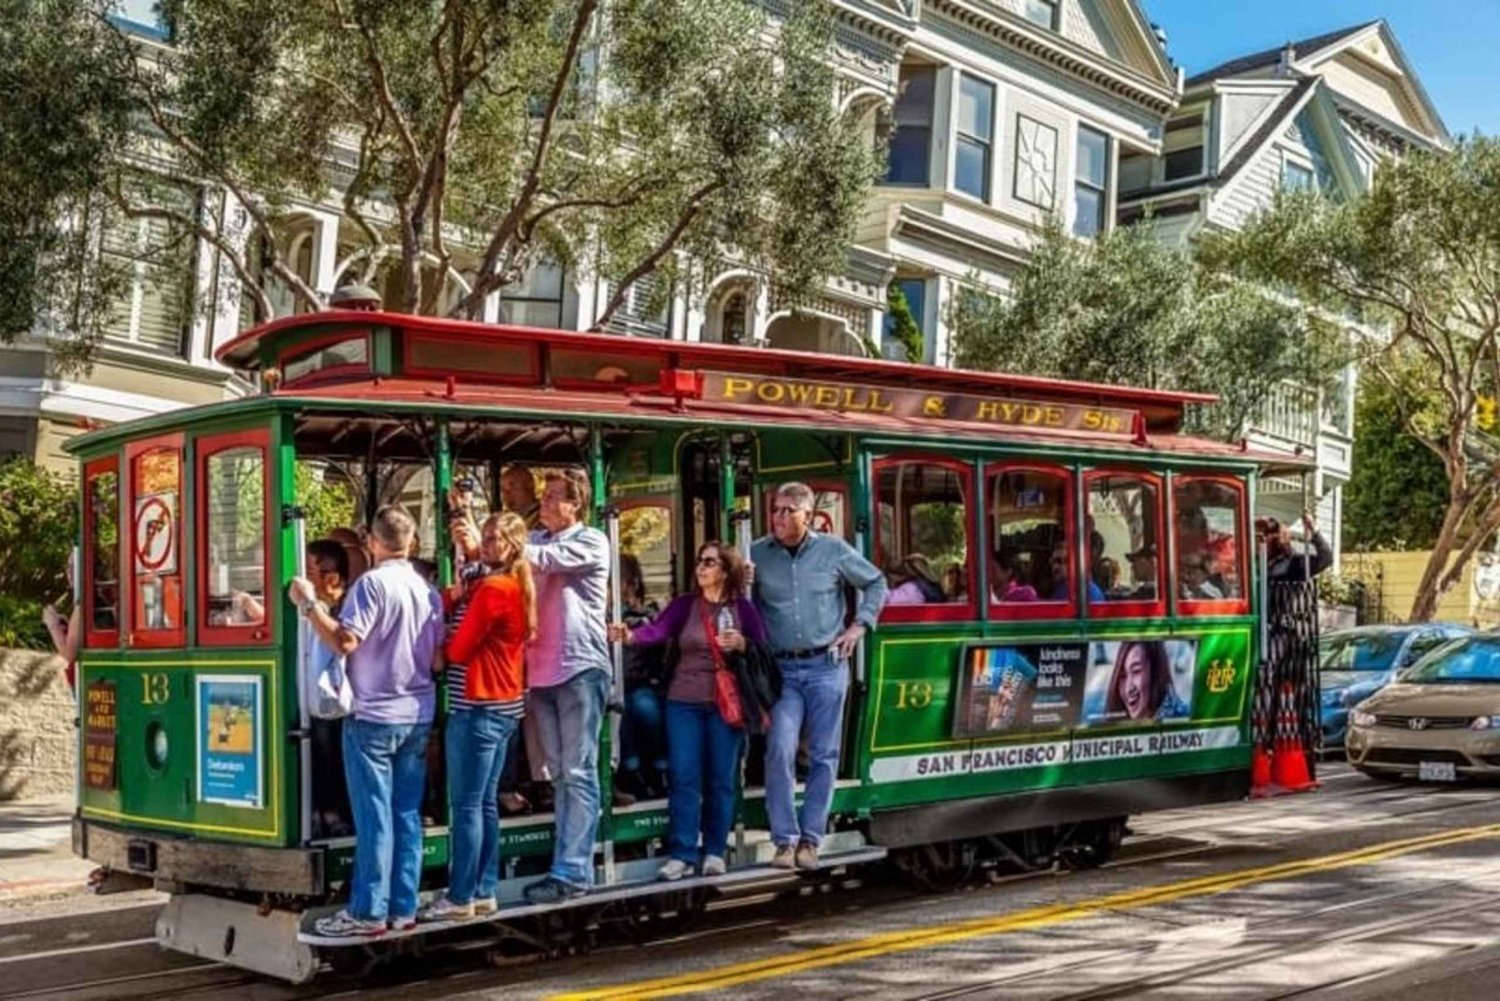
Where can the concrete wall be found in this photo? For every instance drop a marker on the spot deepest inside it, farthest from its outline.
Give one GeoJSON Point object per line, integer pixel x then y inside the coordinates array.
{"type": "Point", "coordinates": [38, 742]}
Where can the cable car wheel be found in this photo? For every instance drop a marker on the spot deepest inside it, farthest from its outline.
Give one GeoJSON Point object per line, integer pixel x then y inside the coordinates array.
{"type": "Point", "coordinates": [1091, 844]}
{"type": "Point", "coordinates": [943, 865]}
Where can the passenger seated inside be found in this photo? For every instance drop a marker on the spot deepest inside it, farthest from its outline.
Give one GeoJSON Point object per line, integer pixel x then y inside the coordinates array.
{"type": "Point", "coordinates": [1107, 577]}
{"type": "Point", "coordinates": [913, 583]}
{"type": "Point", "coordinates": [1006, 584]}
{"type": "Point", "coordinates": [955, 584]}
{"type": "Point", "coordinates": [643, 743]}
{"type": "Point", "coordinates": [327, 566]}
{"type": "Point", "coordinates": [1142, 573]}
{"type": "Point", "coordinates": [1195, 579]}
{"type": "Point", "coordinates": [1058, 566]}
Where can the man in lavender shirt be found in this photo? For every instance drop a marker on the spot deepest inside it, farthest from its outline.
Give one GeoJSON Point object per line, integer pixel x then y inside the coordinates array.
{"type": "Point", "coordinates": [390, 629]}
{"type": "Point", "coordinates": [568, 672]}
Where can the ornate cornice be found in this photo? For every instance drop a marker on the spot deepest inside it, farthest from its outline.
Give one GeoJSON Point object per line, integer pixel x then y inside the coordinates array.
{"type": "Point", "coordinates": [1054, 50]}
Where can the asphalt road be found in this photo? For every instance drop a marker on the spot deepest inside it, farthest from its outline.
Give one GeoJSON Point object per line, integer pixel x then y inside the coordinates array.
{"type": "Point", "coordinates": [1362, 890]}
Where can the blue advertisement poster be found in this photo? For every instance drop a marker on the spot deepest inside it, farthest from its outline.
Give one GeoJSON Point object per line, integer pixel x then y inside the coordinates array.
{"type": "Point", "coordinates": [229, 745]}
{"type": "Point", "coordinates": [1062, 685]}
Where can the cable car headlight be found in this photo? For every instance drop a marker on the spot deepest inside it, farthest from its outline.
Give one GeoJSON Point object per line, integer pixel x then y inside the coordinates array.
{"type": "Point", "coordinates": [156, 745]}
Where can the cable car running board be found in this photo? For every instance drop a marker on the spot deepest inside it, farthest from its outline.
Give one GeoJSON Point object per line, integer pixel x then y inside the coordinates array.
{"type": "Point", "coordinates": [512, 905]}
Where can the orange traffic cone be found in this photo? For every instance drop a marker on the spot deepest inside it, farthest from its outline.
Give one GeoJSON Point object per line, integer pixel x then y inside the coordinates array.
{"type": "Point", "coordinates": [1289, 768]}
{"type": "Point", "coordinates": [1260, 773]}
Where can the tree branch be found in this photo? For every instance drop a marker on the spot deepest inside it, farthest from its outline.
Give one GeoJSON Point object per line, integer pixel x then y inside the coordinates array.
{"type": "Point", "coordinates": [486, 280]}
{"type": "Point", "coordinates": [649, 263]}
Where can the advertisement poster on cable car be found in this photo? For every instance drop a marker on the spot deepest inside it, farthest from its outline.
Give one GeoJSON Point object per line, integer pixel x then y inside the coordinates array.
{"type": "Point", "coordinates": [1047, 686]}
{"type": "Point", "coordinates": [229, 745]}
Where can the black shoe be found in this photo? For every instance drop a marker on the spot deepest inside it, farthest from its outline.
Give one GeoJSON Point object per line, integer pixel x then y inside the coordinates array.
{"type": "Point", "coordinates": [552, 891]}
{"type": "Point", "coordinates": [623, 798]}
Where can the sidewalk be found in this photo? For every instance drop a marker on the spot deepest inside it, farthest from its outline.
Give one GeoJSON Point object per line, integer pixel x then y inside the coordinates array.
{"type": "Point", "coordinates": [36, 852]}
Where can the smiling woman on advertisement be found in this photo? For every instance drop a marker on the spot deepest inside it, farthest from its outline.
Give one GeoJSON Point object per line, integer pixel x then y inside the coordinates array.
{"type": "Point", "coordinates": [1141, 685]}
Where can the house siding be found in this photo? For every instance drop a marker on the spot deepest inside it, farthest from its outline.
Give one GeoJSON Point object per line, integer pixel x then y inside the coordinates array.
{"type": "Point", "coordinates": [1239, 114]}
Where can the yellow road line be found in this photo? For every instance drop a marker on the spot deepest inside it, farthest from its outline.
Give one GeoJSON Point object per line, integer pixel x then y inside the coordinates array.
{"type": "Point", "coordinates": [1035, 917]}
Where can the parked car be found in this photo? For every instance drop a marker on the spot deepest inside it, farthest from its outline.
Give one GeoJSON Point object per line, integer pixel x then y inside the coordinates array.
{"type": "Point", "coordinates": [1439, 720]}
{"type": "Point", "coordinates": [1354, 664]}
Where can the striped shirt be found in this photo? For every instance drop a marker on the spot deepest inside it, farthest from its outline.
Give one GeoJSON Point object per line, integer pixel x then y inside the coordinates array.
{"type": "Point", "coordinates": [469, 575]}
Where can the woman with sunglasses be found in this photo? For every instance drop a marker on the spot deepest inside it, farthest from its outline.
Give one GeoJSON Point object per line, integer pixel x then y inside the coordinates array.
{"type": "Point", "coordinates": [707, 626]}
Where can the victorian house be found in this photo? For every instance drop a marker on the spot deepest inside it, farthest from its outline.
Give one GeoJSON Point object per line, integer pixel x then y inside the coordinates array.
{"type": "Point", "coordinates": [996, 113]}
{"type": "Point", "coordinates": [1322, 113]}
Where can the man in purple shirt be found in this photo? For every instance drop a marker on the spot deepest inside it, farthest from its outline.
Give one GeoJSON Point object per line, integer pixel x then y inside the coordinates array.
{"type": "Point", "coordinates": [390, 629]}
{"type": "Point", "coordinates": [568, 671]}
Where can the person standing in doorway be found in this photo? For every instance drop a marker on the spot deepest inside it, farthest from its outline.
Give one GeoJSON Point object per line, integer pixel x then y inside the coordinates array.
{"type": "Point", "coordinates": [486, 679]}
{"type": "Point", "coordinates": [570, 675]}
{"type": "Point", "coordinates": [390, 628]}
{"type": "Point", "coordinates": [800, 576]}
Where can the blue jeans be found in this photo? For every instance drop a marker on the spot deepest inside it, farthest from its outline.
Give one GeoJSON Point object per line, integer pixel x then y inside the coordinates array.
{"type": "Point", "coordinates": [641, 733]}
{"type": "Point", "coordinates": [704, 752]}
{"type": "Point", "coordinates": [812, 695]}
{"type": "Point", "coordinates": [385, 766]}
{"type": "Point", "coordinates": [567, 721]}
{"type": "Point", "coordinates": [477, 740]}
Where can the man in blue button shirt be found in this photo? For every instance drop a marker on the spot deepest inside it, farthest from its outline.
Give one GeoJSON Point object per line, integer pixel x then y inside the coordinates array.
{"type": "Point", "coordinates": [800, 576]}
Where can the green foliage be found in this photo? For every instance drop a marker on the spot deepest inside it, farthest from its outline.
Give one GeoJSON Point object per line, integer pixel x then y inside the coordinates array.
{"type": "Point", "coordinates": [632, 138]}
{"type": "Point", "coordinates": [1398, 492]}
{"type": "Point", "coordinates": [1417, 258]}
{"type": "Point", "coordinates": [327, 500]}
{"type": "Point", "coordinates": [63, 121]}
{"type": "Point", "coordinates": [38, 526]}
{"type": "Point", "coordinates": [1126, 308]}
{"type": "Point", "coordinates": [904, 327]}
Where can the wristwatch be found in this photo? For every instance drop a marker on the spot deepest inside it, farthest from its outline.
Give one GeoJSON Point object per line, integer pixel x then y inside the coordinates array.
{"type": "Point", "coordinates": [307, 606]}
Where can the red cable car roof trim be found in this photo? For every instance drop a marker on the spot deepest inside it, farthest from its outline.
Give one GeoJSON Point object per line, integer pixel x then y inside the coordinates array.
{"type": "Point", "coordinates": [242, 351]}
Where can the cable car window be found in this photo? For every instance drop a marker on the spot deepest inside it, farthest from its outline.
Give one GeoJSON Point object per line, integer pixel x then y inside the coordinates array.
{"type": "Point", "coordinates": [101, 586]}
{"type": "Point", "coordinates": [233, 502]}
{"type": "Point", "coordinates": [350, 353]}
{"type": "Point", "coordinates": [1208, 515]}
{"type": "Point", "coordinates": [156, 614]}
{"type": "Point", "coordinates": [922, 537]}
{"type": "Point", "coordinates": [1123, 526]}
{"type": "Point", "coordinates": [501, 361]}
{"type": "Point", "coordinates": [1031, 569]}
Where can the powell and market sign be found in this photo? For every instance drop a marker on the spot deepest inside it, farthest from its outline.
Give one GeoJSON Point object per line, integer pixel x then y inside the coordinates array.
{"type": "Point", "coordinates": [848, 398]}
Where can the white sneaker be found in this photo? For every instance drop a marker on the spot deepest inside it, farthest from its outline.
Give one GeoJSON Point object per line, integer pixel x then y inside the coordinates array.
{"type": "Point", "coordinates": [485, 905]}
{"type": "Point", "coordinates": [674, 869]}
{"type": "Point", "coordinates": [443, 909]}
{"type": "Point", "coordinates": [713, 865]}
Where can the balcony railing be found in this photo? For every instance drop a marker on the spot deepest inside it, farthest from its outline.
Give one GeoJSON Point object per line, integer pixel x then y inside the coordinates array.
{"type": "Point", "coordinates": [1291, 414]}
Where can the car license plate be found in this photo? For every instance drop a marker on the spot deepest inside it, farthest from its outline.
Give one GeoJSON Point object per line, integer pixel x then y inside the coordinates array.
{"type": "Point", "coordinates": [1436, 771]}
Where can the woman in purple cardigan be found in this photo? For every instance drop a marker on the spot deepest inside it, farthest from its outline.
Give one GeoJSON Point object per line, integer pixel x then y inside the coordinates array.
{"type": "Point", "coordinates": [703, 751]}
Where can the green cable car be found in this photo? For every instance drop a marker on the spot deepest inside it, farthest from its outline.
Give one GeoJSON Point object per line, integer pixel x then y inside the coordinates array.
{"type": "Point", "coordinates": [1070, 637]}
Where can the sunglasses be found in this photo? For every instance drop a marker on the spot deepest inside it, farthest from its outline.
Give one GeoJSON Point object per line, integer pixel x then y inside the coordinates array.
{"type": "Point", "coordinates": [710, 561]}
{"type": "Point", "coordinates": [786, 510]}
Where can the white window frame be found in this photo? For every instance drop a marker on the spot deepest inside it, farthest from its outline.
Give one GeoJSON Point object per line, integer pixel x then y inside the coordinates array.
{"type": "Point", "coordinates": [1103, 188]}
{"type": "Point", "coordinates": [1055, 8]}
{"type": "Point", "coordinates": [960, 137]}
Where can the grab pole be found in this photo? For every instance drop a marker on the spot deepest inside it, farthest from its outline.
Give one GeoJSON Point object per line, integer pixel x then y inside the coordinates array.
{"type": "Point", "coordinates": [616, 682]}
{"type": "Point", "coordinates": [304, 650]}
{"type": "Point", "coordinates": [741, 522]}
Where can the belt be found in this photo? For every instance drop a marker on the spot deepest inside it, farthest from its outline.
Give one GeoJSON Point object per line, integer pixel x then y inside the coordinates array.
{"type": "Point", "coordinates": [807, 654]}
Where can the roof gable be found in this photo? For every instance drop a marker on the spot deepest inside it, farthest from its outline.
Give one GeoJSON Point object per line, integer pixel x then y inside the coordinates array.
{"type": "Point", "coordinates": [1369, 70]}
{"type": "Point", "coordinates": [1364, 67]}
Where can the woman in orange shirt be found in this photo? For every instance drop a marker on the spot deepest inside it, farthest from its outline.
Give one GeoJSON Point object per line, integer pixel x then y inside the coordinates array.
{"type": "Point", "coordinates": [495, 616]}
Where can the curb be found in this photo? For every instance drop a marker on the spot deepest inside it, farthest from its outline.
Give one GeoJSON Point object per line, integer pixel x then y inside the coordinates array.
{"type": "Point", "coordinates": [26, 888]}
